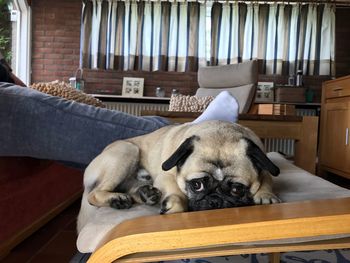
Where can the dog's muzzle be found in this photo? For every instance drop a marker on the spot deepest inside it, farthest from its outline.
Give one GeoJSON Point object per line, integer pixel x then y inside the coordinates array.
{"type": "Point", "coordinates": [222, 198]}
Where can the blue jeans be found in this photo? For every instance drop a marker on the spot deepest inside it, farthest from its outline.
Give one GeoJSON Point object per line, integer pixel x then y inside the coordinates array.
{"type": "Point", "coordinates": [38, 125]}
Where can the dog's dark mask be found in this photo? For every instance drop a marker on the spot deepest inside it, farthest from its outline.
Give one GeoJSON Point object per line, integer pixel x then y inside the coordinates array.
{"type": "Point", "coordinates": [218, 194]}
{"type": "Point", "coordinates": [223, 195]}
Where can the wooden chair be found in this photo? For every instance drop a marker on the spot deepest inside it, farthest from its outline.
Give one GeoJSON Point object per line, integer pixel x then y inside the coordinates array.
{"type": "Point", "coordinates": [239, 79]}
{"type": "Point", "coordinates": [224, 232]}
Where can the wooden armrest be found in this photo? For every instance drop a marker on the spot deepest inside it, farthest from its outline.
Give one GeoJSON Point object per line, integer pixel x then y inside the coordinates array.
{"type": "Point", "coordinates": [217, 228]}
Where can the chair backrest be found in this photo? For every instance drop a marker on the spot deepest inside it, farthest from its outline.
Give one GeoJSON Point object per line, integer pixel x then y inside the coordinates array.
{"type": "Point", "coordinates": [239, 79]}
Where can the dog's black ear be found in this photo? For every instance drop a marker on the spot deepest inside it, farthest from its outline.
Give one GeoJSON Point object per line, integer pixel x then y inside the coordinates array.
{"type": "Point", "coordinates": [259, 159]}
{"type": "Point", "coordinates": [180, 155]}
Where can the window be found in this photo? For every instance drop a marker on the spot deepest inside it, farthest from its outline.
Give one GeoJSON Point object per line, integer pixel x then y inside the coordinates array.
{"type": "Point", "coordinates": [182, 36]}
{"type": "Point", "coordinates": [20, 39]}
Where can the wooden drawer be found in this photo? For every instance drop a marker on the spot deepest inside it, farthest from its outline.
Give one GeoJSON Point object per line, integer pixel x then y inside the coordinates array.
{"type": "Point", "coordinates": [337, 88]}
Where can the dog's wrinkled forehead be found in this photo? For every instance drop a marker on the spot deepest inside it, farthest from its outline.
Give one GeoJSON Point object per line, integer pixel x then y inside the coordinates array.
{"type": "Point", "coordinates": [219, 151]}
{"type": "Point", "coordinates": [219, 154]}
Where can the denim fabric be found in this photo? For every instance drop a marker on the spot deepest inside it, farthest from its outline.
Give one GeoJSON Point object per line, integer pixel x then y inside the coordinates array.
{"type": "Point", "coordinates": [38, 125]}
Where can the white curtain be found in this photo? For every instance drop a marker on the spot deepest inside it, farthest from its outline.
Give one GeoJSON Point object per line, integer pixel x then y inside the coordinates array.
{"type": "Point", "coordinates": [284, 38]}
{"type": "Point", "coordinates": [293, 39]}
{"type": "Point", "coordinates": [327, 41]}
{"type": "Point", "coordinates": [96, 22]}
{"type": "Point", "coordinates": [271, 39]}
{"type": "Point", "coordinates": [143, 35]}
{"type": "Point", "coordinates": [171, 36]}
{"type": "Point", "coordinates": [229, 35]}
{"type": "Point", "coordinates": [251, 35]}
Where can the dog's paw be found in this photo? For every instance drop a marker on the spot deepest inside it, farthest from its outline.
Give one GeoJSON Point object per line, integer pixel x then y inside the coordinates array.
{"type": "Point", "coordinates": [173, 204]}
{"type": "Point", "coordinates": [265, 198]}
{"type": "Point", "coordinates": [149, 194]}
{"type": "Point", "coordinates": [121, 201]}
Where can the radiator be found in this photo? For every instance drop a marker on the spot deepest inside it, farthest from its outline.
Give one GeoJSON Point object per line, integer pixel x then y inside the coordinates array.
{"type": "Point", "coordinates": [135, 108]}
{"type": "Point", "coordinates": [286, 146]}
{"type": "Point", "coordinates": [306, 112]}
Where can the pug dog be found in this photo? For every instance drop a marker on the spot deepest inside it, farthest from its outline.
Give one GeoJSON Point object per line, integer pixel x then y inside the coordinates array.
{"type": "Point", "coordinates": [213, 164]}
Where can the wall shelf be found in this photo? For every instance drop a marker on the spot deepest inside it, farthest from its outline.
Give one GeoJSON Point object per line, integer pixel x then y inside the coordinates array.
{"type": "Point", "coordinates": [119, 98]}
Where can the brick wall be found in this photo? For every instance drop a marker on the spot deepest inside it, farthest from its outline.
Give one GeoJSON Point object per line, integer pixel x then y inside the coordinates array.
{"type": "Point", "coordinates": [56, 40]}
{"type": "Point", "coordinates": [56, 43]}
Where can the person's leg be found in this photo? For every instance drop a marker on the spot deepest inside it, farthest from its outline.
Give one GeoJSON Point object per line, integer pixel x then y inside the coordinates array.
{"type": "Point", "coordinates": [224, 107]}
{"type": "Point", "coordinates": [38, 125]}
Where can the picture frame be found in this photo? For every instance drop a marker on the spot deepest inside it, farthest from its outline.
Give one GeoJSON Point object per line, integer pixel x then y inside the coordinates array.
{"type": "Point", "coordinates": [265, 92]}
{"type": "Point", "coordinates": [132, 87]}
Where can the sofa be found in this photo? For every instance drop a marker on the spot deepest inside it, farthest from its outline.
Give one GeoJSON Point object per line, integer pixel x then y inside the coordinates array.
{"type": "Point", "coordinates": [37, 128]}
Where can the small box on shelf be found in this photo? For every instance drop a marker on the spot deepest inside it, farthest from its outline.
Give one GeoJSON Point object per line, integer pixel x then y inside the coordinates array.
{"type": "Point", "coordinates": [290, 94]}
{"type": "Point", "coordinates": [276, 109]}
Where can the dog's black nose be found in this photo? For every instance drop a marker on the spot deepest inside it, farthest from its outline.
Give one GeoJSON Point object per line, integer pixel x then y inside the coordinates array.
{"type": "Point", "coordinates": [211, 201]}
{"type": "Point", "coordinates": [215, 202]}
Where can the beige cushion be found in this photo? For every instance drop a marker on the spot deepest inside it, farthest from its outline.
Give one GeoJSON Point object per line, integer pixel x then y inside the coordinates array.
{"type": "Point", "coordinates": [243, 94]}
{"type": "Point", "coordinates": [228, 76]}
{"type": "Point", "coordinates": [293, 184]}
{"type": "Point", "coordinates": [64, 90]}
{"type": "Point", "coordinates": [187, 103]}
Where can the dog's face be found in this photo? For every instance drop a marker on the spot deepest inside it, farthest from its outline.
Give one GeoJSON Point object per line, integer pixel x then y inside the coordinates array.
{"type": "Point", "coordinates": [220, 169]}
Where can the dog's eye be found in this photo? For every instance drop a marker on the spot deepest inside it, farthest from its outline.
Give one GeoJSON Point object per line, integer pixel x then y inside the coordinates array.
{"type": "Point", "coordinates": [197, 185]}
{"type": "Point", "coordinates": [237, 189]}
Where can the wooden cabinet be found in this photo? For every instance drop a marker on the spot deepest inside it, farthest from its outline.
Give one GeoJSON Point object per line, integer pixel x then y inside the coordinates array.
{"type": "Point", "coordinates": [335, 124]}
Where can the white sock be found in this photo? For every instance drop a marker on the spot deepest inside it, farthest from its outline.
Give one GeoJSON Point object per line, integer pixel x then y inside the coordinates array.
{"type": "Point", "coordinates": [224, 107]}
